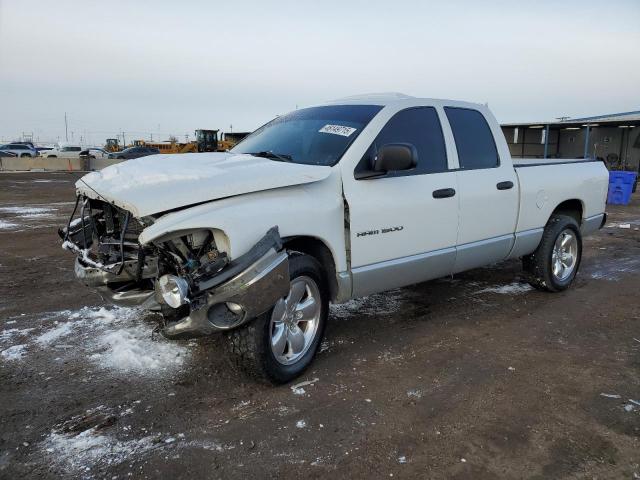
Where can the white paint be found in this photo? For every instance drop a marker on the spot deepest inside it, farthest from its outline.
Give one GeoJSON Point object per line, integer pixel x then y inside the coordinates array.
{"type": "Point", "coordinates": [301, 424]}
{"type": "Point", "coordinates": [158, 183]}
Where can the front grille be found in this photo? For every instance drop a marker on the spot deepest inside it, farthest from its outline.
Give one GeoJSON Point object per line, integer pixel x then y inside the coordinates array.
{"type": "Point", "coordinates": [104, 236]}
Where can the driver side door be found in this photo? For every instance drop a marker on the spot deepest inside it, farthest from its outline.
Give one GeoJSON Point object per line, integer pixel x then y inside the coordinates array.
{"type": "Point", "coordinates": [404, 224]}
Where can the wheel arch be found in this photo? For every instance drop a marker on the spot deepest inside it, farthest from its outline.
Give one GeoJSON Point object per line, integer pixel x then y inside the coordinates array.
{"type": "Point", "coordinates": [319, 250]}
{"type": "Point", "coordinates": [572, 207]}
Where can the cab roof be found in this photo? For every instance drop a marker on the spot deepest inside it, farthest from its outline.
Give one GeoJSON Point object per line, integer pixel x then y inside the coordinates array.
{"type": "Point", "coordinates": [399, 99]}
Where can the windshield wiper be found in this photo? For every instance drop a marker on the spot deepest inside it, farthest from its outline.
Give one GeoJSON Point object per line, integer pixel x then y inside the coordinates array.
{"type": "Point", "coordinates": [274, 156]}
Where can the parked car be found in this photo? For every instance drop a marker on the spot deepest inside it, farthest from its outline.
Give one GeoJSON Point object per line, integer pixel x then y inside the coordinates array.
{"type": "Point", "coordinates": [94, 152]}
{"type": "Point", "coordinates": [321, 205]}
{"type": "Point", "coordinates": [134, 152]}
{"type": "Point", "coordinates": [4, 153]}
{"type": "Point", "coordinates": [62, 150]}
{"type": "Point", "coordinates": [19, 149]}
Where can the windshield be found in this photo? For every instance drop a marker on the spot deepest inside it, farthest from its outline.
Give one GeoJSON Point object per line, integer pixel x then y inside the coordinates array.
{"type": "Point", "coordinates": [313, 136]}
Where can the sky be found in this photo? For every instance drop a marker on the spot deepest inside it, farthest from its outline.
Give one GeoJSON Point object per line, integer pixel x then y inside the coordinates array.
{"type": "Point", "coordinates": [169, 67]}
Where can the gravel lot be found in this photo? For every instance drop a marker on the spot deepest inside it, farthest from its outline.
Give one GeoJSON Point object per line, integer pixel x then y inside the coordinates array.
{"type": "Point", "coordinates": [476, 376]}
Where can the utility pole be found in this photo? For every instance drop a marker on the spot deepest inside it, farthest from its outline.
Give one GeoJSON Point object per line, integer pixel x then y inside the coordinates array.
{"type": "Point", "coordinates": [66, 127]}
{"type": "Point", "coordinates": [124, 142]}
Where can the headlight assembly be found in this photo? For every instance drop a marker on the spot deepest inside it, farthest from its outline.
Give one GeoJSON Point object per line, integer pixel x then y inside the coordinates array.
{"type": "Point", "coordinates": [173, 290]}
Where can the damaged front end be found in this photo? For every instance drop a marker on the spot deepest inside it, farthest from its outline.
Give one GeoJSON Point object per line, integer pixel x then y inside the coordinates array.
{"type": "Point", "coordinates": [184, 275]}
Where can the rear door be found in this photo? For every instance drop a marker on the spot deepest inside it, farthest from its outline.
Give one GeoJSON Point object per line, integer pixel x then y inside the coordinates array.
{"type": "Point", "coordinates": [488, 192]}
{"type": "Point", "coordinates": [401, 232]}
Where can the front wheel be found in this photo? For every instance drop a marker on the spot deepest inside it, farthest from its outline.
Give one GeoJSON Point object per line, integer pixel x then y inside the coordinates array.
{"type": "Point", "coordinates": [280, 344]}
{"type": "Point", "coordinates": [554, 264]}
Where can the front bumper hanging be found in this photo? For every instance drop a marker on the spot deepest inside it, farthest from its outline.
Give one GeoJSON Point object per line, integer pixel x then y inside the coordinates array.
{"type": "Point", "coordinates": [244, 289]}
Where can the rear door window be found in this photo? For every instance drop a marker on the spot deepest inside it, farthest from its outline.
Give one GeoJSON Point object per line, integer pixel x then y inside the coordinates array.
{"type": "Point", "coordinates": [419, 127]}
{"type": "Point", "coordinates": [474, 140]}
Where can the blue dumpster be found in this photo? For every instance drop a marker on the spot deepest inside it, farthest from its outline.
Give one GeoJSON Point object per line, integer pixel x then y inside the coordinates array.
{"type": "Point", "coordinates": [620, 187]}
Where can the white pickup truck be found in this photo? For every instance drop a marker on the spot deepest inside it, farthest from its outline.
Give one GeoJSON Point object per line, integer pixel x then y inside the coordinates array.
{"type": "Point", "coordinates": [322, 205]}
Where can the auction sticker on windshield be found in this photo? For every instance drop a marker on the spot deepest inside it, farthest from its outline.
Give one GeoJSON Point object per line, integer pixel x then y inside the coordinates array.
{"type": "Point", "coordinates": [337, 130]}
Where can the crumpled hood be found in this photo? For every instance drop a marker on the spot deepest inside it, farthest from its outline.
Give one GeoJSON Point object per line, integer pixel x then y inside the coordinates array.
{"type": "Point", "coordinates": [158, 183]}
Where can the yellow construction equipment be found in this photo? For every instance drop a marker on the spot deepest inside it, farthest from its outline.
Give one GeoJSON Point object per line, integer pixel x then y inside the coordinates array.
{"type": "Point", "coordinates": [112, 145]}
{"type": "Point", "coordinates": [206, 141]}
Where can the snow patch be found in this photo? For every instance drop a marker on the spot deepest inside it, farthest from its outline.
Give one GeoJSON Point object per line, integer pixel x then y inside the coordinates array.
{"type": "Point", "coordinates": [132, 350]}
{"type": "Point", "coordinates": [613, 269]}
{"type": "Point", "coordinates": [27, 211]}
{"type": "Point", "coordinates": [414, 393]}
{"type": "Point", "coordinates": [385, 303]}
{"type": "Point", "coordinates": [117, 339]}
{"type": "Point", "coordinates": [298, 389]}
{"type": "Point", "coordinates": [16, 352]}
{"type": "Point", "coordinates": [9, 333]}
{"type": "Point", "coordinates": [88, 449]}
{"type": "Point", "coordinates": [61, 330]}
{"type": "Point", "coordinates": [301, 424]}
{"type": "Point", "coordinates": [515, 288]}
{"type": "Point", "coordinates": [7, 225]}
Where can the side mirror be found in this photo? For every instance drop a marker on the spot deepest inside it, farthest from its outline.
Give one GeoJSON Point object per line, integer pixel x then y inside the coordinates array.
{"type": "Point", "coordinates": [395, 156]}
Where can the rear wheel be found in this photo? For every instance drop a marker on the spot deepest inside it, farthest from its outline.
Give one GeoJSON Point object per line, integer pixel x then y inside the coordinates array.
{"type": "Point", "coordinates": [554, 264]}
{"type": "Point", "coordinates": [280, 344]}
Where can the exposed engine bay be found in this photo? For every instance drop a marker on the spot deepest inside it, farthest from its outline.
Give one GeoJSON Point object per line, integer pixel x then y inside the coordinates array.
{"type": "Point", "coordinates": [183, 275]}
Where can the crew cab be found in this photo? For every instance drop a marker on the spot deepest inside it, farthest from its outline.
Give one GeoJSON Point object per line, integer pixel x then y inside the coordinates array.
{"type": "Point", "coordinates": [326, 204]}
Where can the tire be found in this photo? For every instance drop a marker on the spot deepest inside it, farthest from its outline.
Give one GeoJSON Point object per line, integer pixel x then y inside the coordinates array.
{"type": "Point", "coordinates": [539, 265]}
{"type": "Point", "coordinates": [250, 346]}
{"type": "Point", "coordinates": [25, 155]}
{"type": "Point", "coordinates": [52, 156]}
{"type": "Point", "coordinates": [120, 158]}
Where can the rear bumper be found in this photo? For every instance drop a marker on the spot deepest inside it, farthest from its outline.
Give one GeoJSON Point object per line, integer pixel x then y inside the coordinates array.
{"type": "Point", "coordinates": [593, 224]}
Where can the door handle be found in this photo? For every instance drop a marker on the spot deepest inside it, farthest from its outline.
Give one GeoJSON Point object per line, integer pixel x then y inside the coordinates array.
{"type": "Point", "coordinates": [444, 193]}
{"type": "Point", "coordinates": [504, 185]}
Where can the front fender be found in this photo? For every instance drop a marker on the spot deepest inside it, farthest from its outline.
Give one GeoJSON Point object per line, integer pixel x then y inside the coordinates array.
{"type": "Point", "coordinates": [314, 209]}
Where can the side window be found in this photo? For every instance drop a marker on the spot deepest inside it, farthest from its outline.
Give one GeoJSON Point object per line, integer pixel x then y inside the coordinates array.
{"type": "Point", "coordinates": [474, 140]}
{"type": "Point", "coordinates": [420, 127]}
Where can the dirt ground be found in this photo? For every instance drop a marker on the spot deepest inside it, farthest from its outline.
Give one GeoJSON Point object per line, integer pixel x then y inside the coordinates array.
{"type": "Point", "coordinates": [476, 376]}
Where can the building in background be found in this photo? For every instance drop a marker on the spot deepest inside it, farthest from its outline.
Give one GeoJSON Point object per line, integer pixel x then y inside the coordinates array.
{"type": "Point", "coordinates": [614, 138]}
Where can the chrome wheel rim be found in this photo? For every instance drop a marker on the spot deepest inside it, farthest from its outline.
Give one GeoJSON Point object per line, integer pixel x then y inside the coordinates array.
{"type": "Point", "coordinates": [295, 320]}
{"type": "Point", "coordinates": [565, 255]}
